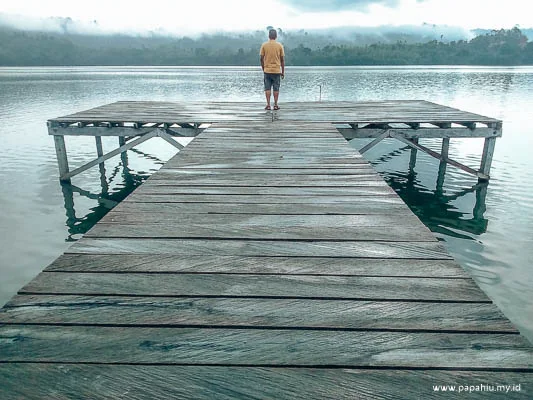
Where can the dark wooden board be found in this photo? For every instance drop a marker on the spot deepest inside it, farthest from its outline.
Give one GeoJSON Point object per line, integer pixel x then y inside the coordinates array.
{"type": "Point", "coordinates": [158, 263]}
{"type": "Point", "coordinates": [364, 179]}
{"type": "Point", "coordinates": [104, 382]}
{"type": "Point", "coordinates": [176, 230]}
{"type": "Point", "coordinates": [355, 169]}
{"type": "Point", "coordinates": [323, 193]}
{"type": "Point", "coordinates": [176, 206]}
{"type": "Point", "coordinates": [224, 285]}
{"type": "Point", "coordinates": [258, 313]}
{"type": "Point", "coordinates": [398, 228]}
{"type": "Point", "coordinates": [266, 248]}
{"type": "Point", "coordinates": [264, 347]}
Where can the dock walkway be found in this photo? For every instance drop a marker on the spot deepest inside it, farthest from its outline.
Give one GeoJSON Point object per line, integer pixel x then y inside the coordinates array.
{"type": "Point", "coordinates": [265, 260]}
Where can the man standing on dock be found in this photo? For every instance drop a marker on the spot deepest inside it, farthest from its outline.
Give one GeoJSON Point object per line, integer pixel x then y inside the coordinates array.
{"type": "Point", "coordinates": [272, 61]}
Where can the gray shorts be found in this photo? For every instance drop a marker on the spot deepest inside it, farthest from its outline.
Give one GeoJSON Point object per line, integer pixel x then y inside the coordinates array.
{"type": "Point", "coordinates": [272, 81]}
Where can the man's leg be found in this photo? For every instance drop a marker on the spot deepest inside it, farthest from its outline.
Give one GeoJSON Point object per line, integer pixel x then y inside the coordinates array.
{"type": "Point", "coordinates": [268, 86]}
{"type": "Point", "coordinates": [275, 85]}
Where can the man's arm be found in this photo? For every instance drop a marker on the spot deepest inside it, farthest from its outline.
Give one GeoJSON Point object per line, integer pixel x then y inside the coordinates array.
{"type": "Point", "coordinates": [282, 59]}
{"type": "Point", "coordinates": [263, 63]}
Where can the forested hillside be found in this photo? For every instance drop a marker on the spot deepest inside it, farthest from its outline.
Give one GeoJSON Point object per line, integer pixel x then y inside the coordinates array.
{"type": "Point", "coordinates": [25, 48]}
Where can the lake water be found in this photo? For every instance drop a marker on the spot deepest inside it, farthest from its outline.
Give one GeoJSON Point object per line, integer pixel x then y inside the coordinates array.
{"type": "Point", "coordinates": [488, 230]}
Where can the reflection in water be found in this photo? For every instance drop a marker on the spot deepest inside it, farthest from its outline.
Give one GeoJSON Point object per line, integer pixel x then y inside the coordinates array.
{"type": "Point", "coordinates": [434, 207]}
{"type": "Point", "coordinates": [79, 225]}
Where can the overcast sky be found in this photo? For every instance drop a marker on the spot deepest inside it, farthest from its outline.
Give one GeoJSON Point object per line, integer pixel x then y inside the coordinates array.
{"type": "Point", "coordinates": [193, 16]}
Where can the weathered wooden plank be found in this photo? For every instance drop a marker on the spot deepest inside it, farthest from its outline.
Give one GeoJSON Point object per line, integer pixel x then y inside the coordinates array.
{"type": "Point", "coordinates": [221, 149]}
{"type": "Point", "coordinates": [399, 228]}
{"type": "Point", "coordinates": [99, 382]}
{"type": "Point", "coordinates": [356, 169]}
{"type": "Point", "coordinates": [175, 230]}
{"type": "Point", "coordinates": [300, 194]}
{"type": "Point", "coordinates": [311, 155]}
{"type": "Point", "coordinates": [271, 160]}
{"type": "Point", "coordinates": [259, 313]}
{"type": "Point", "coordinates": [363, 179]}
{"type": "Point", "coordinates": [294, 173]}
{"type": "Point", "coordinates": [362, 112]}
{"type": "Point", "coordinates": [224, 285]}
{"type": "Point", "coordinates": [170, 195]}
{"type": "Point", "coordinates": [258, 347]}
{"type": "Point", "coordinates": [273, 221]}
{"type": "Point", "coordinates": [267, 248]}
{"type": "Point", "coordinates": [155, 263]}
{"type": "Point", "coordinates": [309, 181]}
{"type": "Point", "coordinates": [174, 208]}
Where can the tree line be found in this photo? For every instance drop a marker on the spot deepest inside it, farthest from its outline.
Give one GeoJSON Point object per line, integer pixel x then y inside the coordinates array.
{"type": "Point", "coordinates": [23, 48]}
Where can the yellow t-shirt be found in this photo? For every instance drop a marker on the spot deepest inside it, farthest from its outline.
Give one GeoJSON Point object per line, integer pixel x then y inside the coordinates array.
{"type": "Point", "coordinates": [272, 52]}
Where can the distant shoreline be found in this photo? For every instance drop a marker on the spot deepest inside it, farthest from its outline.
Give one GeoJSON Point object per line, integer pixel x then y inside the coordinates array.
{"type": "Point", "coordinates": [258, 67]}
{"type": "Point", "coordinates": [26, 49]}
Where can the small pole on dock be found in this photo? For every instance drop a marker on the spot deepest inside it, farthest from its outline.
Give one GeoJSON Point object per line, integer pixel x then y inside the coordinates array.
{"type": "Point", "coordinates": [320, 93]}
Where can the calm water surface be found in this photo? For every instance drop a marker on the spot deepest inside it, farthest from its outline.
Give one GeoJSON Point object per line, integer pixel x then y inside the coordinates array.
{"type": "Point", "coordinates": [488, 230]}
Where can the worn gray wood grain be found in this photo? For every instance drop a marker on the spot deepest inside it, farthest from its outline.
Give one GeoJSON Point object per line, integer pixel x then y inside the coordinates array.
{"type": "Point", "coordinates": [399, 228]}
{"type": "Point", "coordinates": [249, 312]}
{"type": "Point", "coordinates": [314, 261]}
{"type": "Point", "coordinates": [224, 285]}
{"type": "Point", "coordinates": [356, 169]}
{"type": "Point", "coordinates": [158, 263]}
{"type": "Point", "coordinates": [260, 180]}
{"type": "Point", "coordinates": [99, 382]}
{"type": "Point", "coordinates": [264, 347]}
{"type": "Point", "coordinates": [369, 112]}
{"type": "Point", "coordinates": [175, 207]}
{"type": "Point", "coordinates": [336, 194]}
{"type": "Point", "coordinates": [273, 231]}
{"type": "Point", "coordinates": [267, 248]}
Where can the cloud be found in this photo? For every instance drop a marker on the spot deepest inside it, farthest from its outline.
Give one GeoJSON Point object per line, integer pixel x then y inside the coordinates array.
{"type": "Point", "coordinates": [337, 5]}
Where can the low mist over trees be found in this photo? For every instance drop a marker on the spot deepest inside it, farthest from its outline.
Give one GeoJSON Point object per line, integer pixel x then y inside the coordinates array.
{"type": "Point", "coordinates": [25, 48]}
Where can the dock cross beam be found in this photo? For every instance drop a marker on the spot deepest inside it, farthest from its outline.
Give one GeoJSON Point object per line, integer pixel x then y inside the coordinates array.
{"type": "Point", "coordinates": [410, 134]}
{"type": "Point", "coordinates": [129, 136]}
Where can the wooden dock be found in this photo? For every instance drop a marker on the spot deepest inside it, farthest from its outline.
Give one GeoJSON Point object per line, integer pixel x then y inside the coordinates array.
{"type": "Point", "coordinates": [404, 120]}
{"type": "Point", "coordinates": [266, 260]}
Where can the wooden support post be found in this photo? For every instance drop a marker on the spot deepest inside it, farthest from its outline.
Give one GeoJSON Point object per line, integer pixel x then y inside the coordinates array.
{"type": "Point", "coordinates": [481, 197]}
{"type": "Point", "coordinates": [445, 148]}
{"type": "Point", "coordinates": [124, 154]}
{"type": "Point", "coordinates": [443, 163]}
{"type": "Point", "coordinates": [441, 175]}
{"type": "Point", "coordinates": [486, 159]}
{"type": "Point", "coordinates": [99, 149]}
{"type": "Point", "coordinates": [101, 166]}
{"type": "Point", "coordinates": [414, 151]}
{"type": "Point", "coordinates": [62, 161]}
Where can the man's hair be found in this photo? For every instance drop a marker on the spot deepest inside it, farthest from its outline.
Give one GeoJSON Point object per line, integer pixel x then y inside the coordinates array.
{"type": "Point", "coordinates": [272, 34]}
